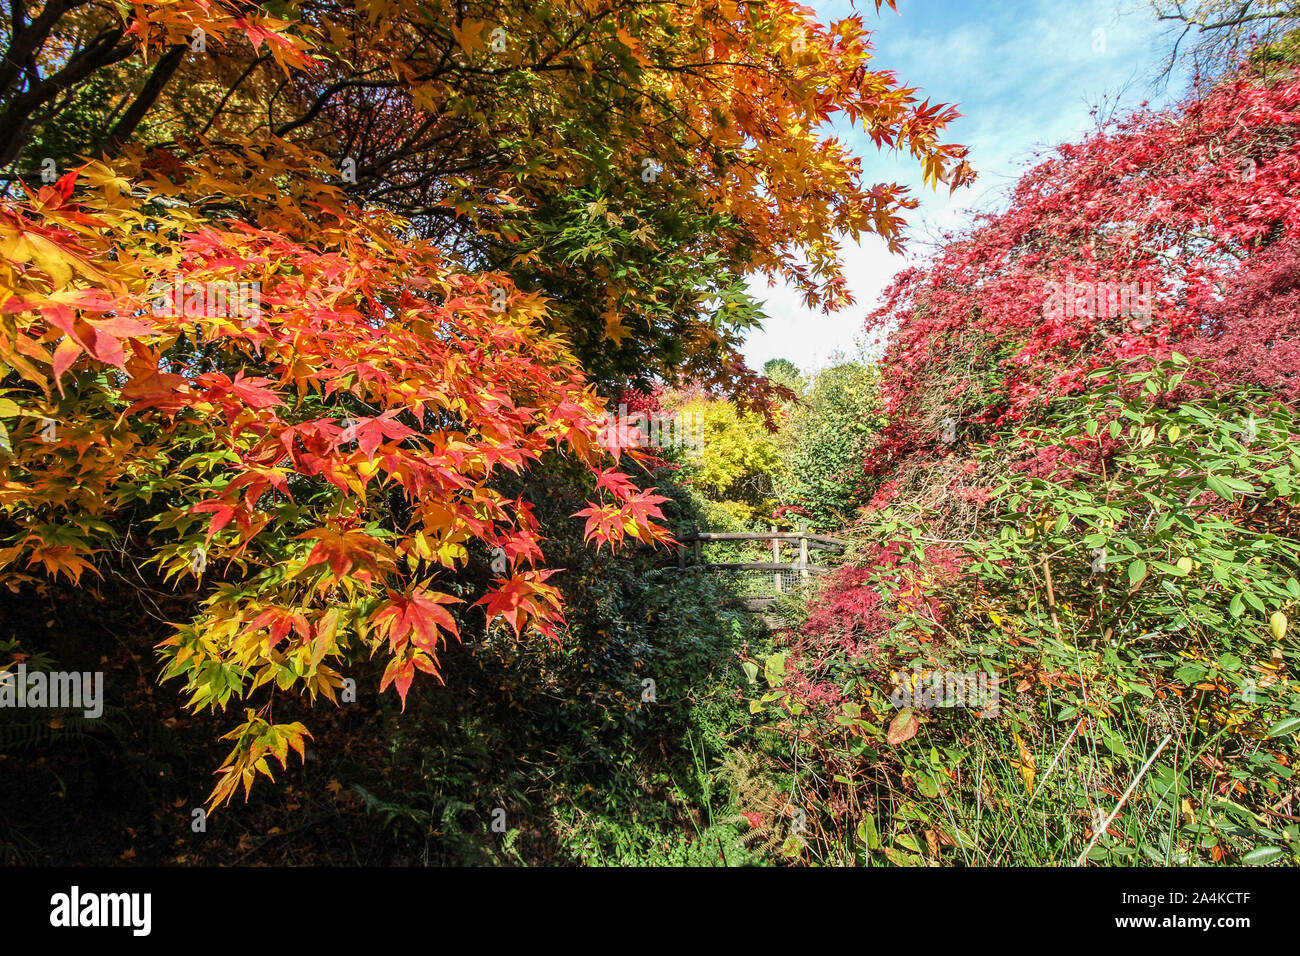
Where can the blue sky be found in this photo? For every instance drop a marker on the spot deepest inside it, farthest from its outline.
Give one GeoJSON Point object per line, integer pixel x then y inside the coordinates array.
{"type": "Point", "coordinates": [1025, 74]}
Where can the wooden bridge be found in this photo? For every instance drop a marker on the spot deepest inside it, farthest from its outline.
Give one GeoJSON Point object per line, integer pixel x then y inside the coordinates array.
{"type": "Point", "coordinates": [784, 574]}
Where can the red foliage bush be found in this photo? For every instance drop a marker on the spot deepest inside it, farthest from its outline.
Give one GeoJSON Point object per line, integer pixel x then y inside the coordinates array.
{"type": "Point", "coordinates": [1253, 333]}
{"type": "Point", "coordinates": [1166, 231]}
{"type": "Point", "coordinates": [1198, 206]}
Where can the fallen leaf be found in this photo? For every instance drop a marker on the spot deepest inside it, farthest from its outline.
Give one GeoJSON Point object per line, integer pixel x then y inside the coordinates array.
{"type": "Point", "coordinates": [1025, 764]}
{"type": "Point", "coordinates": [903, 727]}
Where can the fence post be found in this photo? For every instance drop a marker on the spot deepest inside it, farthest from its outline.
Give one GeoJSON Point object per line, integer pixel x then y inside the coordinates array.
{"type": "Point", "coordinates": [681, 556]}
{"type": "Point", "coordinates": [777, 584]}
{"type": "Point", "coordinates": [699, 552]}
{"type": "Point", "coordinates": [803, 551]}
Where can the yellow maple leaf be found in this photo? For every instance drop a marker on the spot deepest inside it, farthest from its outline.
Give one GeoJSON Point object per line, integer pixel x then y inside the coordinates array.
{"type": "Point", "coordinates": [614, 329]}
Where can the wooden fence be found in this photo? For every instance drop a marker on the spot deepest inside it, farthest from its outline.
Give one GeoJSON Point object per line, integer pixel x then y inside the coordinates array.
{"type": "Point", "coordinates": [803, 541]}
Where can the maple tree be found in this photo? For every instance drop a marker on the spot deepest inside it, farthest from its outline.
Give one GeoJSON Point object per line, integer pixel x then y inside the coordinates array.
{"type": "Point", "coordinates": [633, 161]}
{"type": "Point", "coordinates": [314, 278]}
{"type": "Point", "coordinates": [288, 475]}
{"type": "Point", "coordinates": [1179, 209]}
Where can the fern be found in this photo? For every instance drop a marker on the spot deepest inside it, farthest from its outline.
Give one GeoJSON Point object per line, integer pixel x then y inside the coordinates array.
{"type": "Point", "coordinates": [23, 731]}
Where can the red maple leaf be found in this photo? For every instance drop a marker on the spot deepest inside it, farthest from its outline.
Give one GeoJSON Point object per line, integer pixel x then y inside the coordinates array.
{"type": "Point", "coordinates": [524, 599]}
{"type": "Point", "coordinates": [369, 432]}
{"type": "Point", "coordinates": [417, 618]}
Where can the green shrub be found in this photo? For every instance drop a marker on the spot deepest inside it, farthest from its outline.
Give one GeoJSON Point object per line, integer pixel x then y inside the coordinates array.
{"type": "Point", "coordinates": [1129, 583]}
{"type": "Point", "coordinates": [586, 761]}
{"type": "Point", "coordinates": [826, 440]}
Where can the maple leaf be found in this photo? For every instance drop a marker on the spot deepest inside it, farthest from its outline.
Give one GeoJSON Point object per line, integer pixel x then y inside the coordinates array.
{"type": "Point", "coordinates": [284, 48]}
{"type": "Point", "coordinates": [417, 618]}
{"type": "Point", "coordinates": [526, 599]}
{"type": "Point", "coordinates": [369, 432]}
{"type": "Point", "coordinates": [401, 673]}
{"type": "Point", "coordinates": [57, 559]}
{"type": "Point", "coordinates": [614, 329]}
{"type": "Point", "coordinates": [344, 550]}
{"type": "Point", "coordinates": [617, 436]}
{"type": "Point", "coordinates": [643, 506]}
{"type": "Point", "coordinates": [221, 512]}
{"type": "Point", "coordinates": [610, 523]}
{"type": "Point", "coordinates": [279, 621]}
{"type": "Point", "coordinates": [250, 391]}
{"type": "Point", "coordinates": [604, 523]}
{"type": "Point", "coordinates": [255, 740]}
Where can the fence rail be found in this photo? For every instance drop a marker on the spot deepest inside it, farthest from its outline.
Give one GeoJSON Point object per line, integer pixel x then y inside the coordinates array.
{"type": "Point", "coordinates": [799, 567]}
{"type": "Point", "coordinates": [814, 540]}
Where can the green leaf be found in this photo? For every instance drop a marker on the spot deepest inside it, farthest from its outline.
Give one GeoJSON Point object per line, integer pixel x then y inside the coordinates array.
{"type": "Point", "coordinates": [899, 858]}
{"type": "Point", "coordinates": [868, 833]}
{"type": "Point", "coordinates": [1262, 855]}
{"type": "Point", "coordinates": [1239, 486]}
{"type": "Point", "coordinates": [774, 669]}
{"type": "Point", "coordinates": [1288, 725]}
{"type": "Point", "coordinates": [1219, 488]}
{"type": "Point", "coordinates": [1137, 570]}
{"type": "Point", "coordinates": [928, 786]}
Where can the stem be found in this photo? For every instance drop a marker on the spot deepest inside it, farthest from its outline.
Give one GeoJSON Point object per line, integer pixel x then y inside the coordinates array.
{"type": "Point", "coordinates": [1127, 793]}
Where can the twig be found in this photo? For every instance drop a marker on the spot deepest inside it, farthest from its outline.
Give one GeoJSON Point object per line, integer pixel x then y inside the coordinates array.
{"type": "Point", "coordinates": [1051, 598]}
{"type": "Point", "coordinates": [1282, 816]}
{"type": "Point", "coordinates": [1056, 759]}
{"type": "Point", "coordinates": [1127, 793]}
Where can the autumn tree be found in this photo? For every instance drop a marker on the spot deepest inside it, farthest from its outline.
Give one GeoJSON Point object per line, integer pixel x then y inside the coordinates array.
{"type": "Point", "coordinates": [660, 153]}
{"type": "Point", "coordinates": [733, 460]}
{"type": "Point", "coordinates": [824, 442]}
{"type": "Point", "coordinates": [286, 291]}
{"type": "Point", "coordinates": [1085, 489]}
{"type": "Point", "coordinates": [1120, 245]}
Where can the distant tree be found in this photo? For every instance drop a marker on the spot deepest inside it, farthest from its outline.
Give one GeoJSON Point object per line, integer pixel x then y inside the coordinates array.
{"type": "Point", "coordinates": [782, 371]}
{"type": "Point", "coordinates": [1212, 36]}
{"type": "Point", "coordinates": [737, 465]}
{"type": "Point", "coordinates": [827, 436]}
